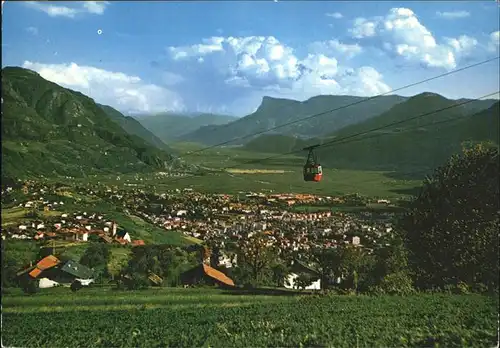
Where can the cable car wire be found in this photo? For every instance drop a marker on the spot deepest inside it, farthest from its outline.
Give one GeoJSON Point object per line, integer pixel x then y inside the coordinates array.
{"type": "Point", "coordinates": [189, 153]}
{"type": "Point", "coordinates": [349, 138]}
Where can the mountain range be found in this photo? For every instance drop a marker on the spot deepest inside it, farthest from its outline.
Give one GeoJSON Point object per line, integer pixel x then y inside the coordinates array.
{"type": "Point", "coordinates": [48, 129]}
{"type": "Point", "coordinates": [171, 127]}
{"type": "Point", "coordinates": [274, 112]}
{"type": "Point", "coordinates": [423, 139]}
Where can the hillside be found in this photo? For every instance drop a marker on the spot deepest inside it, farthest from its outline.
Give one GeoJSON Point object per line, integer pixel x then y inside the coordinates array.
{"type": "Point", "coordinates": [170, 127]}
{"type": "Point", "coordinates": [48, 129]}
{"type": "Point", "coordinates": [417, 105]}
{"type": "Point", "coordinates": [414, 144]}
{"type": "Point", "coordinates": [277, 143]}
{"type": "Point", "coordinates": [134, 127]}
{"type": "Point", "coordinates": [275, 112]}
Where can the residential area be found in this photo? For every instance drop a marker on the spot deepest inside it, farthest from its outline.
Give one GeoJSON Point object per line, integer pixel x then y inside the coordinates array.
{"type": "Point", "coordinates": [219, 221]}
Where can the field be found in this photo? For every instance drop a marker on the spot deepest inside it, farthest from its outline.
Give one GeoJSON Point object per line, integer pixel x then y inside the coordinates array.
{"type": "Point", "coordinates": [12, 216]}
{"type": "Point", "coordinates": [281, 174]}
{"type": "Point", "coordinates": [370, 207]}
{"type": "Point", "coordinates": [209, 317]}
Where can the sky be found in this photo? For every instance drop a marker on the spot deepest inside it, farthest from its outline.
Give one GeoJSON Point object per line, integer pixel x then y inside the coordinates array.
{"type": "Point", "coordinates": [224, 57]}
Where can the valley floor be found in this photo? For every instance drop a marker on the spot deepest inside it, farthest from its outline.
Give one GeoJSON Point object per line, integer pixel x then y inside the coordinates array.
{"type": "Point", "coordinates": [196, 317]}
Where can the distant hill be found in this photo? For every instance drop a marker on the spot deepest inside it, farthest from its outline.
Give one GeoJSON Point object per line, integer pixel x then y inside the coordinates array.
{"type": "Point", "coordinates": [134, 127]}
{"type": "Point", "coordinates": [48, 129]}
{"type": "Point", "coordinates": [170, 127]}
{"type": "Point", "coordinates": [417, 105]}
{"type": "Point", "coordinates": [277, 143]}
{"type": "Point", "coordinates": [274, 112]}
{"type": "Point", "coordinates": [413, 144]}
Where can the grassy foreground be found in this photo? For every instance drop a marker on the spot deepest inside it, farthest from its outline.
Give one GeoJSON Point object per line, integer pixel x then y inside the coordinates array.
{"type": "Point", "coordinates": [203, 317]}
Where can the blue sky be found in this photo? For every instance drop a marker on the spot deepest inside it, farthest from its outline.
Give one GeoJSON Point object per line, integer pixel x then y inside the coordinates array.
{"type": "Point", "coordinates": [225, 56]}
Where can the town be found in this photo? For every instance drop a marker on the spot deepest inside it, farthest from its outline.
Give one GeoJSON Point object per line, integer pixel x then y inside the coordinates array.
{"type": "Point", "coordinates": [217, 220]}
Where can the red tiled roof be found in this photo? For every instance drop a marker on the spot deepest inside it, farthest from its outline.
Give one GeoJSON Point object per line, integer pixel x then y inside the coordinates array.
{"type": "Point", "coordinates": [121, 241]}
{"type": "Point", "coordinates": [218, 275]}
{"type": "Point", "coordinates": [35, 272]}
{"type": "Point", "coordinates": [47, 262]}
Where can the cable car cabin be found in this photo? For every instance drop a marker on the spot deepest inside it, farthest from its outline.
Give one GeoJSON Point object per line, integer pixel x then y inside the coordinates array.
{"type": "Point", "coordinates": [313, 172]}
{"type": "Point", "coordinates": [312, 169]}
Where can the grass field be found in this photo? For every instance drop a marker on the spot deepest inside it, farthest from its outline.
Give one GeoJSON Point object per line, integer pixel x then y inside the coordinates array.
{"type": "Point", "coordinates": [207, 317]}
{"type": "Point", "coordinates": [12, 216]}
{"type": "Point", "coordinates": [282, 174]}
{"type": "Point", "coordinates": [371, 207]}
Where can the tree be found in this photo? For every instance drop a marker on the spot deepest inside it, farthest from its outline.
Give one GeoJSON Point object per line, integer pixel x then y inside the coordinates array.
{"type": "Point", "coordinates": [97, 257]}
{"type": "Point", "coordinates": [390, 273]}
{"type": "Point", "coordinates": [327, 262]}
{"type": "Point", "coordinates": [255, 254]}
{"type": "Point", "coordinates": [451, 229]}
{"type": "Point", "coordinates": [304, 280]}
{"type": "Point", "coordinates": [356, 266]}
{"type": "Point", "coordinates": [280, 272]}
{"type": "Point", "coordinates": [9, 270]}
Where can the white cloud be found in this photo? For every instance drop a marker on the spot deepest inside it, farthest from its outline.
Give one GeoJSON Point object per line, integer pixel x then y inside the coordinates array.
{"type": "Point", "coordinates": [404, 36]}
{"type": "Point", "coordinates": [53, 10]}
{"type": "Point", "coordinates": [93, 7]}
{"type": "Point", "coordinates": [463, 45]}
{"type": "Point", "coordinates": [125, 93]}
{"type": "Point", "coordinates": [336, 15]}
{"type": "Point", "coordinates": [32, 30]}
{"type": "Point", "coordinates": [210, 45]}
{"type": "Point", "coordinates": [362, 28]}
{"type": "Point", "coordinates": [244, 69]}
{"type": "Point", "coordinates": [453, 14]}
{"type": "Point", "coordinates": [494, 42]}
{"type": "Point", "coordinates": [335, 47]}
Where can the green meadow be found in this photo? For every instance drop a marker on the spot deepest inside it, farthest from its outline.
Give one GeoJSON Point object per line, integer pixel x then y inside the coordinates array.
{"type": "Point", "coordinates": [211, 317]}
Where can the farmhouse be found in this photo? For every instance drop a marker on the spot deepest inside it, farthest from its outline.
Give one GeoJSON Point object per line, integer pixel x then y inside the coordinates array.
{"type": "Point", "coordinates": [204, 274]}
{"type": "Point", "coordinates": [56, 271]}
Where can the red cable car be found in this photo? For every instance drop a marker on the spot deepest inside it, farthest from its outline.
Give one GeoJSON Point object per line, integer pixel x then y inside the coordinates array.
{"type": "Point", "coordinates": [312, 168]}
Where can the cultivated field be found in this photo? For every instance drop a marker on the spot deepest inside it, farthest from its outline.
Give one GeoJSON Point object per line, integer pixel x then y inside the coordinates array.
{"type": "Point", "coordinates": [282, 174]}
{"type": "Point", "coordinates": [256, 171]}
{"type": "Point", "coordinates": [205, 317]}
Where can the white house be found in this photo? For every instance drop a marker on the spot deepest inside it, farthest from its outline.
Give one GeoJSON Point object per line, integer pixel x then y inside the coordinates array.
{"type": "Point", "coordinates": [47, 283]}
{"type": "Point", "coordinates": [124, 235]}
{"type": "Point", "coordinates": [225, 260]}
{"type": "Point", "coordinates": [85, 236]}
{"type": "Point", "coordinates": [298, 268]}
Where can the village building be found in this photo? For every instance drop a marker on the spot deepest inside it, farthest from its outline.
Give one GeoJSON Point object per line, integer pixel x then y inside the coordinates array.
{"type": "Point", "coordinates": [297, 268]}
{"type": "Point", "coordinates": [204, 274]}
{"type": "Point", "coordinates": [56, 271]}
